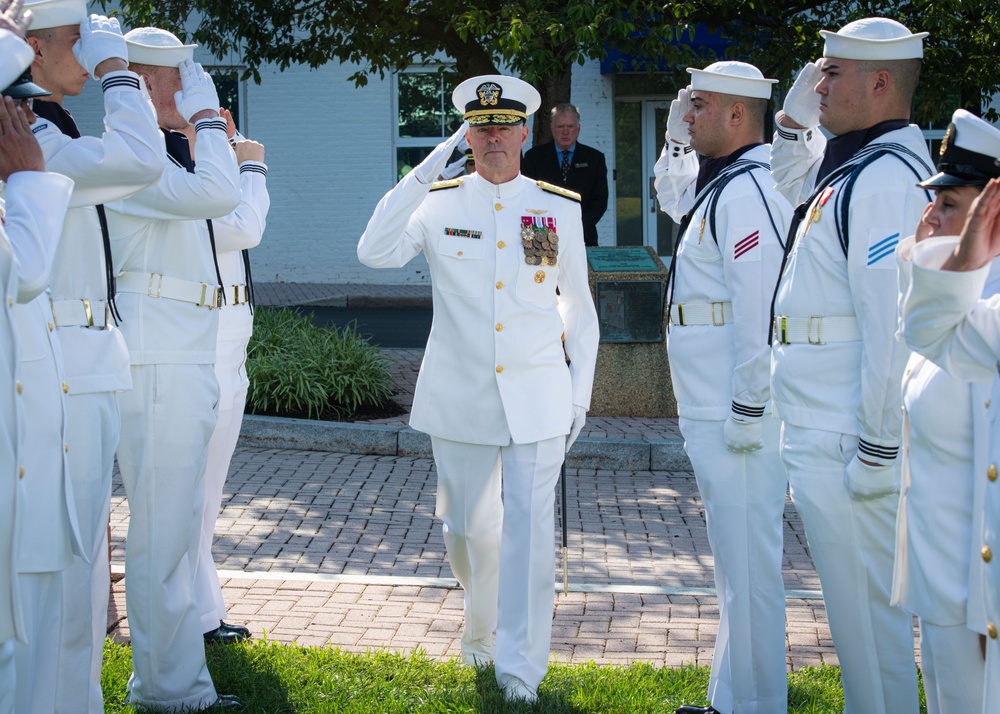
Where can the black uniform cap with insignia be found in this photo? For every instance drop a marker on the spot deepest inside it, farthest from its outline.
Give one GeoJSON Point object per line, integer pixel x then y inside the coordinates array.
{"type": "Point", "coordinates": [24, 88]}
{"type": "Point", "coordinates": [968, 151]}
{"type": "Point", "coordinates": [495, 99]}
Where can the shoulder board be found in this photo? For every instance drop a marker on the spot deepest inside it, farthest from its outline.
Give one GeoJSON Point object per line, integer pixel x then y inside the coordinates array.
{"type": "Point", "coordinates": [453, 183]}
{"type": "Point", "coordinates": [559, 190]}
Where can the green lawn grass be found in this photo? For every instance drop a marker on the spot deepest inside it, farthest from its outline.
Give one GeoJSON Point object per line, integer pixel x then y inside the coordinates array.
{"type": "Point", "coordinates": [278, 679]}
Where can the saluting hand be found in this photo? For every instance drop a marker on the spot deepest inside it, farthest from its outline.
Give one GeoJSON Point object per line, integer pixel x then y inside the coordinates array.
{"type": "Point", "coordinates": [980, 241]}
{"type": "Point", "coordinates": [197, 98]}
{"type": "Point", "coordinates": [802, 102]}
{"type": "Point", "coordinates": [19, 150]}
{"type": "Point", "coordinates": [430, 168]}
{"type": "Point", "coordinates": [677, 128]}
{"type": "Point", "coordinates": [14, 18]}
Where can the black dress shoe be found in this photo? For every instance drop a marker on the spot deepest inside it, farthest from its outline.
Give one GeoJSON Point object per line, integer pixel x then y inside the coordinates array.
{"type": "Point", "coordinates": [227, 634]}
{"type": "Point", "coordinates": [240, 630]}
{"type": "Point", "coordinates": [690, 709]}
{"type": "Point", "coordinates": [225, 701]}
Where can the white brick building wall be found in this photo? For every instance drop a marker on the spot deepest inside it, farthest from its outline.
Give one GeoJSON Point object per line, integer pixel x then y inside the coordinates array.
{"type": "Point", "coordinates": [330, 159]}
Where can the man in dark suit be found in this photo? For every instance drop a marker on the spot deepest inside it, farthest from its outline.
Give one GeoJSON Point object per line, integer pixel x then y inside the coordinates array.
{"type": "Point", "coordinates": [566, 162]}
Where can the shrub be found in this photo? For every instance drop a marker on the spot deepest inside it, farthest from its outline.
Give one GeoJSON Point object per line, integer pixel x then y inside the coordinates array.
{"type": "Point", "coordinates": [296, 367]}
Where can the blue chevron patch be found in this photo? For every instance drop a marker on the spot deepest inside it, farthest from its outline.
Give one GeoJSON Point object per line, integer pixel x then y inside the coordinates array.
{"type": "Point", "coordinates": [884, 247]}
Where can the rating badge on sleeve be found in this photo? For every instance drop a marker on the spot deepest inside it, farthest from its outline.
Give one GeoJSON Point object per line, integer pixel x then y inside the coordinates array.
{"type": "Point", "coordinates": [539, 240]}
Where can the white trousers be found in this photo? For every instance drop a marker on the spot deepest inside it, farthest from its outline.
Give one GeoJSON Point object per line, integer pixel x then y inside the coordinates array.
{"type": "Point", "coordinates": [167, 419]}
{"type": "Point", "coordinates": [501, 547]}
{"type": "Point", "coordinates": [953, 668]}
{"type": "Point", "coordinates": [744, 497]}
{"type": "Point", "coordinates": [852, 544]}
{"type": "Point", "coordinates": [8, 677]}
{"type": "Point", "coordinates": [35, 664]}
{"type": "Point", "coordinates": [991, 693]}
{"type": "Point", "coordinates": [231, 374]}
{"type": "Point", "coordinates": [92, 434]}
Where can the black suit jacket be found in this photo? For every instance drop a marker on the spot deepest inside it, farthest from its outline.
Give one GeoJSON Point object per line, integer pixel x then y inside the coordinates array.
{"type": "Point", "coordinates": [588, 176]}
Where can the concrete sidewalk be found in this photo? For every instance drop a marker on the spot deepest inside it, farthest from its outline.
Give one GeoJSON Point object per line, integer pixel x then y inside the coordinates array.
{"type": "Point", "coordinates": [325, 547]}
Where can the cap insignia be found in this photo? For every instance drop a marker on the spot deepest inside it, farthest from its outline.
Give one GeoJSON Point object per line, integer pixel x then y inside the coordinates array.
{"type": "Point", "coordinates": [489, 94]}
{"type": "Point", "coordinates": [947, 139]}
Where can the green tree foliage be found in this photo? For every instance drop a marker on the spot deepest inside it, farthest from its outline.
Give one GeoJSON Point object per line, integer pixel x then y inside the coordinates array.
{"type": "Point", "coordinates": [541, 40]}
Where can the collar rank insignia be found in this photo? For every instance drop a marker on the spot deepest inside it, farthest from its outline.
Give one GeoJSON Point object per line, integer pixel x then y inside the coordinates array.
{"type": "Point", "coordinates": [539, 240]}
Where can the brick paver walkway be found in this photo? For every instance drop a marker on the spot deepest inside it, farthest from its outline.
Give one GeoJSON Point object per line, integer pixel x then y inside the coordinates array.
{"type": "Point", "coordinates": [343, 550]}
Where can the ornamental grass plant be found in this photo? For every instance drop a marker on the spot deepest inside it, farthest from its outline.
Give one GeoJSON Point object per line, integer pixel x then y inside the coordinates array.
{"type": "Point", "coordinates": [273, 678]}
{"type": "Point", "coordinates": [298, 369]}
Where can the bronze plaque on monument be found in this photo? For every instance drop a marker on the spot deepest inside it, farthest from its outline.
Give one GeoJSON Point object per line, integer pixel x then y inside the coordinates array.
{"type": "Point", "coordinates": [632, 377]}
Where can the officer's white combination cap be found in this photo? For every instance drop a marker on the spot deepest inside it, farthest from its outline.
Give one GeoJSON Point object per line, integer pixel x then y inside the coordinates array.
{"type": "Point", "coordinates": [56, 13]}
{"type": "Point", "coordinates": [968, 153]}
{"type": "Point", "coordinates": [495, 99]}
{"type": "Point", "coordinates": [153, 46]}
{"type": "Point", "coordinates": [738, 78]}
{"type": "Point", "coordinates": [873, 38]}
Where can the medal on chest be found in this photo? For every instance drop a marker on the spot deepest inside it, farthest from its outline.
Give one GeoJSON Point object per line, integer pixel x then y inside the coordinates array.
{"type": "Point", "coordinates": [539, 240]}
{"type": "Point", "coordinates": [817, 212]}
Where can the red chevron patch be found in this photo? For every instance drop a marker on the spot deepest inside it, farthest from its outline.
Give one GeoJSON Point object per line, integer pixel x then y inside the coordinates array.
{"type": "Point", "coordinates": [745, 245]}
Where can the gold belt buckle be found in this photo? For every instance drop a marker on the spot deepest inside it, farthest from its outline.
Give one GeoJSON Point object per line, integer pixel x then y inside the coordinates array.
{"type": "Point", "coordinates": [88, 312]}
{"type": "Point", "coordinates": [781, 329]}
{"type": "Point", "coordinates": [159, 286]}
{"type": "Point", "coordinates": [236, 295]}
{"type": "Point", "coordinates": [722, 314]}
{"type": "Point", "coordinates": [680, 314]}
{"type": "Point", "coordinates": [819, 330]}
{"type": "Point", "coordinates": [208, 299]}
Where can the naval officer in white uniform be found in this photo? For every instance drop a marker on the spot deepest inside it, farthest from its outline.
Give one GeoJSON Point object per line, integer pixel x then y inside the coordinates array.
{"type": "Point", "coordinates": [168, 289]}
{"type": "Point", "coordinates": [33, 206]}
{"type": "Point", "coordinates": [494, 391]}
{"type": "Point", "coordinates": [722, 278]}
{"type": "Point", "coordinates": [946, 319]}
{"type": "Point", "coordinates": [126, 158]}
{"type": "Point", "coordinates": [837, 366]}
{"type": "Point", "coordinates": [946, 434]}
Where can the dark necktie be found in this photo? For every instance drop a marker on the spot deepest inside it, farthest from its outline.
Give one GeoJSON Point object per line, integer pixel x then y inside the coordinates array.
{"type": "Point", "coordinates": [565, 166]}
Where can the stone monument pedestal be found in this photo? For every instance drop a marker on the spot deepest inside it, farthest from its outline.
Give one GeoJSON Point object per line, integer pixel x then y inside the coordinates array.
{"type": "Point", "coordinates": [632, 378]}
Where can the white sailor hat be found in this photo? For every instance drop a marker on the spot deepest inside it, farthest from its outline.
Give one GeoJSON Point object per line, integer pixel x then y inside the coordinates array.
{"type": "Point", "coordinates": [495, 99]}
{"type": "Point", "coordinates": [153, 46]}
{"type": "Point", "coordinates": [968, 153]}
{"type": "Point", "coordinates": [873, 38]}
{"type": "Point", "coordinates": [56, 13]}
{"type": "Point", "coordinates": [739, 78]}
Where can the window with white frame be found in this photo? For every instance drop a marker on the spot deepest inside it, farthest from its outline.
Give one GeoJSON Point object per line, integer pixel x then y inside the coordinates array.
{"type": "Point", "coordinates": [426, 114]}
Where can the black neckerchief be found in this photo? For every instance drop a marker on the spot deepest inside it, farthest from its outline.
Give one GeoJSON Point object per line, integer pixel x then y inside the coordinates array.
{"type": "Point", "coordinates": [54, 113]}
{"type": "Point", "coordinates": [179, 149]}
{"type": "Point", "coordinates": [64, 122]}
{"type": "Point", "coordinates": [709, 169]}
{"type": "Point", "coordinates": [841, 148]}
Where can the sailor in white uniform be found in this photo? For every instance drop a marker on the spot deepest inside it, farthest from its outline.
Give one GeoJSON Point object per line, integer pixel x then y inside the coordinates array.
{"type": "Point", "coordinates": [722, 278]}
{"type": "Point", "coordinates": [837, 367]}
{"type": "Point", "coordinates": [168, 289]}
{"type": "Point", "coordinates": [32, 209]}
{"type": "Point", "coordinates": [126, 158]}
{"type": "Point", "coordinates": [235, 235]}
{"type": "Point", "coordinates": [946, 319]}
{"type": "Point", "coordinates": [946, 433]}
{"type": "Point", "coordinates": [494, 390]}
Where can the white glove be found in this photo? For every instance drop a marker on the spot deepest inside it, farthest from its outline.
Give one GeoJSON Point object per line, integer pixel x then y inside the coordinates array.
{"type": "Point", "coordinates": [431, 167]}
{"type": "Point", "coordinates": [677, 128]}
{"type": "Point", "coordinates": [743, 436]}
{"type": "Point", "coordinates": [454, 168]}
{"type": "Point", "coordinates": [866, 483]}
{"type": "Point", "coordinates": [100, 39]}
{"type": "Point", "coordinates": [198, 91]}
{"type": "Point", "coordinates": [579, 419]}
{"type": "Point", "coordinates": [802, 101]}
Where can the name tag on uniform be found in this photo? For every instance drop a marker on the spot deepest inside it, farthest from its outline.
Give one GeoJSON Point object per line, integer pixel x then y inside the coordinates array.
{"type": "Point", "coordinates": [463, 233]}
{"type": "Point", "coordinates": [580, 166]}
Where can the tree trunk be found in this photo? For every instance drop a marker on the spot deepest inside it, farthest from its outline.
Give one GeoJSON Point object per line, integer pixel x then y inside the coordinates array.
{"type": "Point", "coordinates": [554, 89]}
